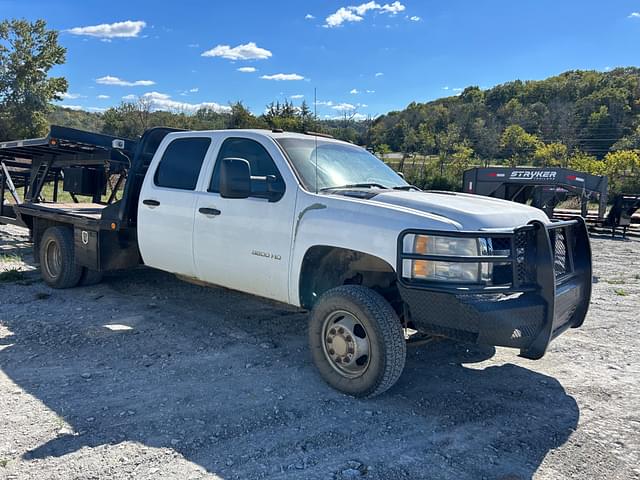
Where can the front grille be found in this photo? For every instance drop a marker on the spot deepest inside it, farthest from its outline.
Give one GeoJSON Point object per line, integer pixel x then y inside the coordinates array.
{"type": "Point", "coordinates": [559, 244]}
{"type": "Point", "coordinates": [524, 255]}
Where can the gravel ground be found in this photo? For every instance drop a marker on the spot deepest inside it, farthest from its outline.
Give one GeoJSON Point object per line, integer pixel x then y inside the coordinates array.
{"type": "Point", "coordinates": [144, 376]}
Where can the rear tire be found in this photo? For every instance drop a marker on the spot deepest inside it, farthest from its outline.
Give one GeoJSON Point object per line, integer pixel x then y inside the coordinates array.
{"type": "Point", "coordinates": [356, 341]}
{"type": "Point", "coordinates": [57, 258]}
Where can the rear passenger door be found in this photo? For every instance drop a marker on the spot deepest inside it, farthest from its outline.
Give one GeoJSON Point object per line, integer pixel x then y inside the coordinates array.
{"type": "Point", "coordinates": [167, 203]}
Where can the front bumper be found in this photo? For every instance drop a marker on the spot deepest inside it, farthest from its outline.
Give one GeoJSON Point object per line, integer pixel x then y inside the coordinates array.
{"type": "Point", "coordinates": [548, 291]}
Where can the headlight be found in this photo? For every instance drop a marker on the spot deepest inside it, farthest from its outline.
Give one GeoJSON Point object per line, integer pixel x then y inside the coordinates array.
{"type": "Point", "coordinates": [443, 271]}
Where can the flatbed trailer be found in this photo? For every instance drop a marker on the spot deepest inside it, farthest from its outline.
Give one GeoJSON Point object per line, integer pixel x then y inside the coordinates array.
{"type": "Point", "coordinates": [86, 163]}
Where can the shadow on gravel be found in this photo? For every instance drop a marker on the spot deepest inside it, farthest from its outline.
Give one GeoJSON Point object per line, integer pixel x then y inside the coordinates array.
{"type": "Point", "coordinates": [225, 380]}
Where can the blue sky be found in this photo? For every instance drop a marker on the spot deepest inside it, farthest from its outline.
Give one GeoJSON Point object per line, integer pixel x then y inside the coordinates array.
{"type": "Point", "coordinates": [370, 57]}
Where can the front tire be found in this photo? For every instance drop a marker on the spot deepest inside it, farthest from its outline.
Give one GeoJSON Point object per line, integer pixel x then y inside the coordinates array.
{"type": "Point", "coordinates": [57, 258]}
{"type": "Point", "coordinates": [356, 341]}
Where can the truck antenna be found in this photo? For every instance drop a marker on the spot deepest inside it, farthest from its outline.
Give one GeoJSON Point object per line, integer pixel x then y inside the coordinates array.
{"type": "Point", "coordinates": [315, 118]}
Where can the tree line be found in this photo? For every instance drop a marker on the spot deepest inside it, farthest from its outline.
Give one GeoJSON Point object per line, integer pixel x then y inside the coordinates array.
{"type": "Point", "coordinates": [586, 120]}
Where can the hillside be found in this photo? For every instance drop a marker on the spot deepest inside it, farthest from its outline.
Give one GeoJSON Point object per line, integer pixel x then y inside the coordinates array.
{"type": "Point", "coordinates": [590, 111]}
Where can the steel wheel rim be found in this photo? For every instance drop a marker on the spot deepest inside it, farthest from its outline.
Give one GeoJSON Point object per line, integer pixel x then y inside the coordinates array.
{"type": "Point", "coordinates": [53, 259]}
{"type": "Point", "coordinates": [346, 345]}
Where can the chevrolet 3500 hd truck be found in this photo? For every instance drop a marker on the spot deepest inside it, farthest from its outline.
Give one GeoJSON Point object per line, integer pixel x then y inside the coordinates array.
{"type": "Point", "coordinates": [312, 222]}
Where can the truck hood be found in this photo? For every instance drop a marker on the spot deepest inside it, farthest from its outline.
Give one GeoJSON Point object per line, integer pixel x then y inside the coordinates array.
{"type": "Point", "coordinates": [471, 212]}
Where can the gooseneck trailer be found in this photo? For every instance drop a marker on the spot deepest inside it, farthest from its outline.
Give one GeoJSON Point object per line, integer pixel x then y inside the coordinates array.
{"type": "Point", "coordinates": [543, 188]}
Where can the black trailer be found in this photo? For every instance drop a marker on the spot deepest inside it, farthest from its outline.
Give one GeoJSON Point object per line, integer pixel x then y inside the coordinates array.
{"type": "Point", "coordinates": [108, 169]}
{"type": "Point", "coordinates": [544, 188]}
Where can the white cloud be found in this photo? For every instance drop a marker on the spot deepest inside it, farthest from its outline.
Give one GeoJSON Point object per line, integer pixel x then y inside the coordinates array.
{"type": "Point", "coordinates": [248, 51]}
{"type": "Point", "coordinates": [72, 96]}
{"type": "Point", "coordinates": [362, 105]}
{"type": "Point", "coordinates": [343, 107]}
{"type": "Point", "coordinates": [356, 13]}
{"type": "Point", "coordinates": [247, 69]}
{"type": "Point", "coordinates": [308, 16]}
{"type": "Point", "coordinates": [109, 80]}
{"type": "Point", "coordinates": [129, 97]}
{"type": "Point", "coordinates": [125, 29]}
{"type": "Point", "coordinates": [394, 8]}
{"type": "Point", "coordinates": [193, 45]}
{"type": "Point", "coordinates": [327, 103]}
{"type": "Point", "coordinates": [340, 16]}
{"type": "Point", "coordinates": [415, 18]}
{"type": "Point", "coordinates": [162, 101]}
{"type": "Point", "coordinates": [445, 88]}
{"type": "Point", "coordinates": [365, 7]}
{"type": "Point", "coordinates": [194, 90]}
{"type": "Point", "coordinates": [353, 116]}
{"type": "Point", "coordinates": [370, 91]}
{"type": "Point", "coordinates": [634, 15]}
{"type": "Point", "coordinates": [354, 91]}
{"type": "Point", "coordinates": [103, 97]}
{"type": "Point", "coordinates": [379, 74]}
{"type": "Point", "coordinates": [96, 109]}
{"type": "Point", "coordinates": [458, 89]}
{"type": "Point", "coordinates": [297, 96]}
{"type": "Point", "coordinates": [72, 107]}
{"type": "Point", "coordinates": [156, 96]}
{"type": "Point", "coordinates": [283, 77]}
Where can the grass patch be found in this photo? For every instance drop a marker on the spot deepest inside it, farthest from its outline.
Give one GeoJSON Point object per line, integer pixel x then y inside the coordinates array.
{"type": "Point", "coordinates": [11, 275]}
{"type": "Point", "coordinates": [3, 462]}
{"type": "Point", "coordinates": [616, 281]}
{"type": "Point", "coordinates": [620, 292]}
{"type": "Point", "coordinates": [10, 258]}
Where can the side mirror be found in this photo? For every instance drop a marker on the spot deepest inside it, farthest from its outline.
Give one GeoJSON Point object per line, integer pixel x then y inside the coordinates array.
{"type": "Point", "coordinates": [235, 178]}
{"type": "Point", "coordinates": [400, 174]}
{"type": "Point", "coordinates": [275, 188]}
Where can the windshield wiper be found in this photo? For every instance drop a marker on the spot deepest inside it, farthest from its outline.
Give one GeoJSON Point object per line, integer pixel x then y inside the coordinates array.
{"type": "Point", "coordinates": [405, 187]}
{"type": "Point", "coordinates": [355, 185]}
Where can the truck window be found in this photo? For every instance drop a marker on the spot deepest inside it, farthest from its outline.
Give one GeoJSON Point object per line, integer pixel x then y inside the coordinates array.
{"type": "Point", "coordinates": [181, 162]}
{"type": "Point", "coordinates": [259, 159]}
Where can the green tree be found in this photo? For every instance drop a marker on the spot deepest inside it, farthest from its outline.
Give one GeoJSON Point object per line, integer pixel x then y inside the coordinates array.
{"type": "Point", "coordinates": [445, 143]}
{"type": "Point", "coordinates": [241, 117]}
{"type": "Point", "coordinates": [551, 155]}
{"type": "Point", "coordinates": [462, 159]}
{"type": "Point", "coordinates": [27, 52]}
{"type": "Point", "coordinates": [583, 162]}
{"type": "Point", "coordinates": [426, 140]}
{"type": "Point", "coordinates": [518, 145]}
{"type": "Point", "coordinates": [623, 169]}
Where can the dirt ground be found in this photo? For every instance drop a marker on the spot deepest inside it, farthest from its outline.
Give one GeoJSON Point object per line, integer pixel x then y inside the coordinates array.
{"type": "Point", "coordinates": [144, 376]}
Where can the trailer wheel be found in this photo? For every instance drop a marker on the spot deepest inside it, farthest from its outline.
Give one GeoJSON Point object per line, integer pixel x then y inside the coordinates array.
{"type": "Point", "coordinates": [90, 277]}
{"type": "Point", "coordinates": [57, 258]}
{"type": "Point", "coordinates": [356, 341]}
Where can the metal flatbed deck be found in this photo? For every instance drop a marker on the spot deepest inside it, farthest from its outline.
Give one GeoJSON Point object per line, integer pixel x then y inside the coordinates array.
{"type": "Point", "coordinates": [76, 213]}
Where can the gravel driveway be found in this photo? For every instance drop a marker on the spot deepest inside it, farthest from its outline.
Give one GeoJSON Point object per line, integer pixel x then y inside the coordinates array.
{"type": "Point", "coordinates": [144, 376]}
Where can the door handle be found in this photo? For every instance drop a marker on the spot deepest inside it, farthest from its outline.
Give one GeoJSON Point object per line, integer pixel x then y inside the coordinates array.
{"type": "Point", "coordinates": [151, 203]}
{"type": "Point", "coordinates": [209, 211]}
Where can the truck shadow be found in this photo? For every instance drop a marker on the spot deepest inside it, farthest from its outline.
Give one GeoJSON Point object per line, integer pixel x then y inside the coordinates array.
{"type": "Point", "coordinates": [225, 380]}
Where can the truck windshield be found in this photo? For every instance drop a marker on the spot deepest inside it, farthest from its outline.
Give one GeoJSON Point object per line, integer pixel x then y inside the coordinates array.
{"type": "Point", "coordinates": [339, 165]}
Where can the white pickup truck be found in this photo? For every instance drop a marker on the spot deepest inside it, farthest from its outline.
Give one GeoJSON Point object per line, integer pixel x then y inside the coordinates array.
{"type": "Point", "coordinates": [319, 224]}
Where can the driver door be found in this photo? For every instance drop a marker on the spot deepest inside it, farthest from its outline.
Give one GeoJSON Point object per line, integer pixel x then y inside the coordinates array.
{"type": "Point", "coordinates": [245, 244]}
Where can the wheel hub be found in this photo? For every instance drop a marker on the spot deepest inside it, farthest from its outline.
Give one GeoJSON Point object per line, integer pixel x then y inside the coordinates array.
{"type": "Point", "coordinates": [346, 344]}
{"type": "Point", "coordinates": [53, 259]}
